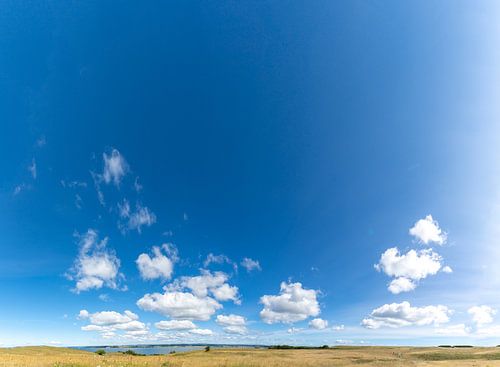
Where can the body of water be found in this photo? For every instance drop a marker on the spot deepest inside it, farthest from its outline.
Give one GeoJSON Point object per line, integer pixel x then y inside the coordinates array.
{"type": "Point", "coordinates": [159, 349]}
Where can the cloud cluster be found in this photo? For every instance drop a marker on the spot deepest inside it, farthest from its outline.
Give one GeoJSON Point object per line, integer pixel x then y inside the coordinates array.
{"type": "Point", "coordinates": [318, 324]}
{"type": "Point", "coordinates": [232, 324]}
{"type": "Point", "coordinates": [408, 268]}
{"type": "Point", "coordinates": [96, 265]}
{"type": "Point", "coordinates": [427, 231]}
{"type": "Point", "coordinates": [180, 305]}
{"type": "Point", "coordinates": [397, 315]}
{"type": "Point", "coordinates": [159, 265]}
{"type": "Point", "coordinates": [108, 323]}
{"type": "Point", "coordinates": [208, 283]}
{"type": "Point", "coordinates": [482, 315]}
{"type": "Point", "coordinates": [293, 304]}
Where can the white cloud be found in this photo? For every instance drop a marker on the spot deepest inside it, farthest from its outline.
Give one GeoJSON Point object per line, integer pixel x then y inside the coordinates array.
{"type": "Point", "coordinates": [293, 304]}
{"type": "Point", "coordinates": [232, 324]}
{"type": "Point", "coordinates": [115, 167]}
{"type": "Point", "coordinates": [454, 330]}
{"type": "Point", "coordinates": [32, 168]}
{"type": "Point", "coordinates": [427, 230]}
{"type": "Point", "coordinates": [338, 327]}
{"type": "Point", "coordinates": [203, 332]}
{"type": "Point", "coordinates": [240, 330]}
{"type": "Point", "coordinates": [108, 322]}
{"type": "Point", "coordinates": [490, 331]}
{"type": "Point", "coordinates": [175, 325]}
{"type": "Point", "coordinates": [180, 305]}
{"type": "Point", "coordinates": [216, 259]}
{"type": "Point", "coordinates": [482, 315]}
{"type": "Point", "coordinates": [159, 265]}
{"type": "Point", "coordinates": [135, 220]}
{"type": "Point", "coordinates": [250, 264]}
{"type": "Point", "coordinates": [318, 324]}
{"type": "Point", "coordinates": [230, 320]}
{"type": "Point", "coordinates": [396, 315]}
{"type": "Point", "coordinates": [447, 270]}
{"type": "Point", "coordinates": [401, 284]}
{"type": "Point", "coordinates": [408, 268]}
{"type": "Point", "coordinates": [96, 266]}
{"type": "Point", "coordinates": [213, 283]}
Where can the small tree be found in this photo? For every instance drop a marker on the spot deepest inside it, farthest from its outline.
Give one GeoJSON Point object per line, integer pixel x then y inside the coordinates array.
{"type": "Point", "coordinates": [101, 352]}
{"type": "Point", "coordinates": [207, 348]}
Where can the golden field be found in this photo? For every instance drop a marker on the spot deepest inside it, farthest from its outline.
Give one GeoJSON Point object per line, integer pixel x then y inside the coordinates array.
{"type": "Point", "coordinates": [341, 356]}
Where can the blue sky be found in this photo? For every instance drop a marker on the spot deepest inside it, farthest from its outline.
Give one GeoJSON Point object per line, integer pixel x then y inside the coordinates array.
{"type": "Point", "coordinates": [239, 172]}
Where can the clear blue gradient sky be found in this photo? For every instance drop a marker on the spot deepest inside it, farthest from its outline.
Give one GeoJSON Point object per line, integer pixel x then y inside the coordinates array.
{"type": "Point", "coordinates": [308, 137]}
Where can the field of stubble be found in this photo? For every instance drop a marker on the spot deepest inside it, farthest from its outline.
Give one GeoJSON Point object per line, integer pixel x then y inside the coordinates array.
{"type": "Point", "coordinates": [342, 356]}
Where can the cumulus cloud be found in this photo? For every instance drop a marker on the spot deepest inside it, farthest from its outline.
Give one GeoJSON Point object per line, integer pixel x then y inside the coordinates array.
{"type": "Point", "coordinates": [232, 324]}
{"type": "Point", "coordinates": [293, 304]}
{"type": "Point", "coordinates": [401, 284]}
{"type": "Point", "coordinates": [175, 325]}
{"type": "Point", "coordinates": [159, 265]}
{"type": "Point", "coordinates": [427, 230]}
{"type": "Point", "coordinates": [210, 283]}
{"type": "Point", "coordinates": [180, 305]}
{"type": "Point", "coordinates": [408, 268]}
{"type": "Point", "coordinates": [109, 322]}
{"type": "Point", "coordinates": [134, 219]}
{"type": "Point", "coordinates": [447, 270]}
{"type": "Point", "coordinates": [397, 315]}
{"type": "Point", "coordinates": [318, 324]}
{"type": "Point", "coordinates": [115, 167]}
{"type": "Point", "coordinates": [96, 265]}
{"type": "Point", "coordinates": [250, 264]}
{"type": "Point", "coordinates": [482, 315]}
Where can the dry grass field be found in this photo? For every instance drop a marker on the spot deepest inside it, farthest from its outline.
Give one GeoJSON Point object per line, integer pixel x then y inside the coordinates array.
{"type": "Point", "coordinates": [342, 356]}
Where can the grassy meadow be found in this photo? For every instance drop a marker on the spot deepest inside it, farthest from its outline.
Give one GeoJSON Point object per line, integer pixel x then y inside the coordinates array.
{"type": "Point", "coordinates": [341, 356]}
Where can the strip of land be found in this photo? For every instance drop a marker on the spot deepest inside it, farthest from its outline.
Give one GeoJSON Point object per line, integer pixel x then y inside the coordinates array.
{"type": "Point", "coordinates": [338, 356]}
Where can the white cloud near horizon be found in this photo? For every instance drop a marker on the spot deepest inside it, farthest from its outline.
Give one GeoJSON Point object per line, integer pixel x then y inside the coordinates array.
{"type": "Point", "coordinates": [293, 304]}
{"type": "Point", "coordinates": [107, 323]}
{"type": "Point", "coordinates": [396, 315]}
{"type": "Point", "coordinates": [232, 324]}
{"type": "Point", "coordinates": [180, 305]}
{"type": "Point", "coordinates": [427, 231]}
{"type": "Point", "coordinates": [482, 315]}
{"type": "Point", "coordinates": [175, 325]}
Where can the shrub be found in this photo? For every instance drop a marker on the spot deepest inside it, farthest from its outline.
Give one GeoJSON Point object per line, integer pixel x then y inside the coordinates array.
{"type": "Point", "coordinates": [101, 352]}
{"type": "Point", "coordinates": [207, 348]}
